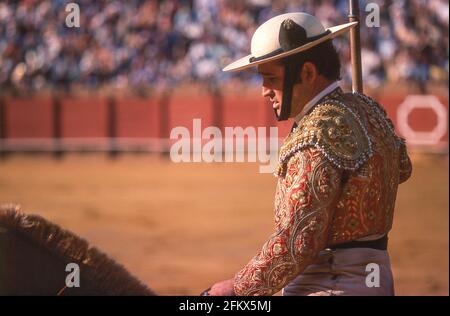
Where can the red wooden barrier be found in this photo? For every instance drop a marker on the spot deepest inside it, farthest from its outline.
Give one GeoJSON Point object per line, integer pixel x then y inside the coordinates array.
{"type": "Point", "coordinates": [137, 118]}
{"type": "Point", "coordinates": [84, 117]}
{"type": "Point", "coordinates": [29, 117]}
{"type": "Point", "coordinates": [184, 108]}
{"type": "Point", "coordinates": [423, 118]}
{"type": "Point", "coordinates": [87, 117]}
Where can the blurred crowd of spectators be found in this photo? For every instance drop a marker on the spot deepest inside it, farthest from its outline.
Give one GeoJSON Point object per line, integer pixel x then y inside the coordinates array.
{"type": "Point", "coordinates": [148, 43]}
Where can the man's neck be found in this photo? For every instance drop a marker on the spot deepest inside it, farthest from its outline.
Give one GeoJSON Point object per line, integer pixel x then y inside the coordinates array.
{"type": "Point", "coordinates": [321, 90]}
{"type": "Point", "coordinates": [321, 85]}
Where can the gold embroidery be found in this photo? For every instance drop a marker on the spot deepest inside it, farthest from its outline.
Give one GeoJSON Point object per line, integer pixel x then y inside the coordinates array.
{"type": "Point", "coordinates": [336, 131]}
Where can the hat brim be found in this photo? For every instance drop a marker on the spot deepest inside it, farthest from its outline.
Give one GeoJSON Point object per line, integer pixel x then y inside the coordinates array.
{"type": "Point", "coordinates": [244, 62]}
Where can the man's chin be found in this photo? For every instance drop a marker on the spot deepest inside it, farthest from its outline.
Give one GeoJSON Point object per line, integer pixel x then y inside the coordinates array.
{"type": "Point", "coordinates": [277, 111]}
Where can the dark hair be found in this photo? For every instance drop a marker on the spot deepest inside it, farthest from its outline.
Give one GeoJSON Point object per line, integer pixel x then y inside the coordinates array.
{"type": "Point", "coordinates": [324, 56]}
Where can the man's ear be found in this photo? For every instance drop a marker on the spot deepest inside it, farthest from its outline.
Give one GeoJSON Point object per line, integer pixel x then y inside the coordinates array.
{"type": "Point", "coordinates": [309, 72]}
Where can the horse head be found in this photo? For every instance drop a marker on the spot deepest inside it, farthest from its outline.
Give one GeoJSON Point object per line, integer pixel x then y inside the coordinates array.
{"type": "Point", "coordinates": [34, 254]}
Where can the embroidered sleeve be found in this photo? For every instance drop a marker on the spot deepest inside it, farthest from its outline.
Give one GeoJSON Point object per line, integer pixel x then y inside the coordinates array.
{"type": "Point", "coordinates": [310, 188]}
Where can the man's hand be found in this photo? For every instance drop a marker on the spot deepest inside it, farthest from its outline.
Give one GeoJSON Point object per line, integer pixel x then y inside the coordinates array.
{"type": "Point", "coordinates": [224, 288]}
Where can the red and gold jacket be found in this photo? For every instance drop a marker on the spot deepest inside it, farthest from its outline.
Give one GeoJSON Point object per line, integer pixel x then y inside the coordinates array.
{"type": "Point", "coordinates": [338, 175]}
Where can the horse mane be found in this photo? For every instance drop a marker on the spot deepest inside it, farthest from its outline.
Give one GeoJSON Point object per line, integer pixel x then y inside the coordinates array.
{"type": "Point", "coordinates": [108, 276]}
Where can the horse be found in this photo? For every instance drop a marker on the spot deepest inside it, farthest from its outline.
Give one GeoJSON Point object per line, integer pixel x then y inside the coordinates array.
{"type": "Point", "coordinates": [35, 254]}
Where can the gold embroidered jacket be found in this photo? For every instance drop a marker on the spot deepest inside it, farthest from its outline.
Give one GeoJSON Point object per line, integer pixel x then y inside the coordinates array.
{"type": "Point", "coordinates": [338, 175]}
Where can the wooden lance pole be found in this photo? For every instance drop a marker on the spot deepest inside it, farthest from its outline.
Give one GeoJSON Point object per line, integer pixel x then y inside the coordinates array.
{"type": "Point", "coordinates": [355, 47]}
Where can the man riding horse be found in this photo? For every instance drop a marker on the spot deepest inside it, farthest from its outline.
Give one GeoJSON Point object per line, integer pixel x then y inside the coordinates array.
{"type": "Point", "coordinates": [338, 171]}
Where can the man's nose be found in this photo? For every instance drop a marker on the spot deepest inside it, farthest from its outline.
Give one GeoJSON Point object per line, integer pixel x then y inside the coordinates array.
{"type": "Point", "coordinates": [266, 92]}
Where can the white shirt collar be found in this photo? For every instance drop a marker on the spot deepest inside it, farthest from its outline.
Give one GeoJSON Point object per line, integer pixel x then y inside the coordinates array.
{"type": "Point", "coordinates": [314, 100]}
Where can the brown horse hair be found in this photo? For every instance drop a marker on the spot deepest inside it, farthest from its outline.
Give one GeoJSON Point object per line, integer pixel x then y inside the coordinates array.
{"type": "Point", "coordinates": [108, 276]}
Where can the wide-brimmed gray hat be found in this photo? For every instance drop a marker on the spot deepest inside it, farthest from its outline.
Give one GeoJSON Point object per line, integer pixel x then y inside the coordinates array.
{"type": "Point", "coordinates": [268, 42]}
{"type": "Point", "coordinates": [285, 36]}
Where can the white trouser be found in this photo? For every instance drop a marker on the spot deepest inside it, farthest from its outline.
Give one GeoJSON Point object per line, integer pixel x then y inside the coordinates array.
{"type": "Point", "coordinates": [343, 272]}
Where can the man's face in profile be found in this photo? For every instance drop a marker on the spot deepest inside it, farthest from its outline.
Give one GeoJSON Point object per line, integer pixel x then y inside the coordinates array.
{"type": "Point", "coordinates": [273, 81]}
{"type": "Point", "coordinates": [272, 87]}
